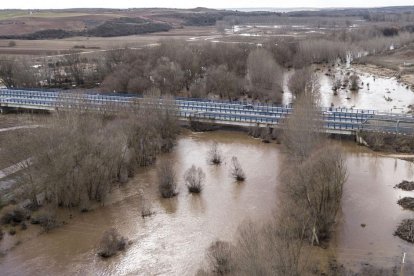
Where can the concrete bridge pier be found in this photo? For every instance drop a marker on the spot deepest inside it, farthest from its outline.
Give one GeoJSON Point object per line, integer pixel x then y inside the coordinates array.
{"type": "Point", "coordinates": [360, 140]}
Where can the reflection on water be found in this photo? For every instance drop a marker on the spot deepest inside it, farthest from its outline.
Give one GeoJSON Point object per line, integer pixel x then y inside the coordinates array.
{"type": "Point", "coordinates": [174, 240]}
{"type": "Point", "coordinates": [371, 201]}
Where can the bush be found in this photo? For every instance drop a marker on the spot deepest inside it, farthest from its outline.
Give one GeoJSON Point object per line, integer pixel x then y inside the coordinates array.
{"type": "Point", "coordinates": [23, 226]}
{"type": "Point", "coordinates": [220, 256]}
{"type": "Point", "coordinates": [146, 208]}
{"type": "Point", "coordinates": [166, 180]}
{"type": "Point", "coordinates": [354, 79]}
{"type": "Point", "coordinates": [47, 220]}
{"type": "Point", "coordinates": [406, 230]}
{"type": "Point", "coordinates": [13, 215]}
{"type": "Point", "coordinates": [214, 154]}
{"type": "Point", "coordinates": [405, 185]}
{"type": "Point", "coordinates": [111, 243]}
{"type": "Point", "coordinates": [194, 178]}
{"type": "Point", "coordinates": [236, 169]}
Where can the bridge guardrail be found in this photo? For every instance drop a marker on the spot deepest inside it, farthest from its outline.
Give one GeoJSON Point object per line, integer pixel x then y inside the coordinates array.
{"type": "Point", "coordinates": [335, 118]}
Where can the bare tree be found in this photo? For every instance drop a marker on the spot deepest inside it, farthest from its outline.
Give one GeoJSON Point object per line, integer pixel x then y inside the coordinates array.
{"type": "Point", "coordinates": [17, 73]}
{"type": "Point", "coordinates": [223, 82]}
{"type": "Point", "coordinates": [354, 82]}
{"type": "Point", "coordinates": [236, 170]}
{"type": "Point", "coordinates": [111, 243]}
{"type": "Point", "coordinates": [302, 129]}
{"type": "Point", "coordinates": [74, 68]}
{"type": "Point", "coordinates": [316, 187]}
{"type": "Point", "coordinates": [168, 76]}
{"type": "Point", "coordinates": [264, 74]}
{"type": "Point", "coordinates": [166, 180]}
{"type": "Point", "coordinates": [277, 248]}
{"type": "Point", "coordinates": [214, 154]}
{"type": "Point", "coordinates": [221, 257]}
{"type": "Point", "coordinates": [194, 179]}
{"type": "Point", "coordinates": [7, 72]}
{"type": "Point", "coordinates": [303, 80]}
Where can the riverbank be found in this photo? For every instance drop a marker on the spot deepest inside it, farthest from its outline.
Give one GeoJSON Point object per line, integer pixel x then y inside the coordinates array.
{"type": "Point", "coordinates": [404, 77]}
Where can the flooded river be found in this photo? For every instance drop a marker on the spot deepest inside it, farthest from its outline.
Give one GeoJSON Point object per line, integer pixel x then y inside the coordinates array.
{"type": "Point", "coordinates": [385, 94]}
{"type": "Point", "coordinates": [173, 241]}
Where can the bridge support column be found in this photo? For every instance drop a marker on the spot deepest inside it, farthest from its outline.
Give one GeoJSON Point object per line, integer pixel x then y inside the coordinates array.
{"type": "Point", "coordinates": [360, 140]}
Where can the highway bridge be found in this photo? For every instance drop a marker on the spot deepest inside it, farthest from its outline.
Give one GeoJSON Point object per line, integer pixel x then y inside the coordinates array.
{"type": "Point", "coordinates": [336, 120]}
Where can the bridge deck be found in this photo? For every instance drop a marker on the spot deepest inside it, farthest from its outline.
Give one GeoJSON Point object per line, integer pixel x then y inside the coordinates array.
{"type": "Point", "coordinates": [337, 120]}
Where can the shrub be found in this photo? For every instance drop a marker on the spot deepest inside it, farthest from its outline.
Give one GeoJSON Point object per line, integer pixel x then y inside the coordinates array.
{"type": "Point", "coordinates": [354, 79]}
{"type": "Point", "coordinates": [166, 180]}
{"type": "Point", "coordinates": [12, 232]}
{"type": "Point", "coordinates": [214, 154]}
{"type": "Point", "coordinates": [405, 185]}
{"type": "Point", "coordinates": [236, 169]}
{"type": "Point", "coordinates": [146, 209]}
{"type": "Point", "coordinates": [111, 243]}
{"type": "Point", "coordinates": [46, 219]}
{"type": "Point", "coordinates": [406, 230]}
{"type": "Point", "coordinates": [194, 179]}
{"type": "Point", "coordinates": [220, 256]}
{"type": "Point", "coordinates": [23, 226]}
{"type": "Point", "coordinates": [13, 215]}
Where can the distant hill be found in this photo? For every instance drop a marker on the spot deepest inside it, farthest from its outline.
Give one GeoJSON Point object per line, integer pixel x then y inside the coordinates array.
{"type": "Point", "coordinates": [47, 24]}
{"type": "Point", "coordinates": [282, 10]}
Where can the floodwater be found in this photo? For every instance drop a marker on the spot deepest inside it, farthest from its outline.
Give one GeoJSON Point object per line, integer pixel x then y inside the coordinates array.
{"type": "Point", "coordinates": [370, 213]}
{"type": "Point", "coordinates": [173, 241]}
{"type": "Point", "coordinates": [384, 94]}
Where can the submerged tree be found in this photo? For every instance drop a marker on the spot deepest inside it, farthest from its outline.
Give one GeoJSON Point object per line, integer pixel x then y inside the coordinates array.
{"type": "Point", "coordinates": [303, 80]}
{"type": "Point", "coordinates": [315, 186]}
{"type": "Point", "coordinates": [354, 82]}
{"type": "Point", "coordinates": [265, 75]}
{"type": "Point", "coordinates": [214, 154]}
{"type": "Point", "coordinates": [236, 170]}
{"type": "Point", "coordinates": [302, 130]}
{"type": "Point", "coordinates": [194, 179]}
{"type": "Point", "coordinates": [111, 243]}
{"type": "Point", "coordinates": [166, 180]}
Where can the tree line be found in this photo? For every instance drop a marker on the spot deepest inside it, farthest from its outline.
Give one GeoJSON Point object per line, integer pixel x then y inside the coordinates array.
{"type": "Point", "coordinates": [77, 157]}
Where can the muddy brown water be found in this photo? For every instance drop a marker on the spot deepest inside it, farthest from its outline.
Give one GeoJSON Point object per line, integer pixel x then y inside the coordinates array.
{"type": "Point", "coordinates": [173, 241]}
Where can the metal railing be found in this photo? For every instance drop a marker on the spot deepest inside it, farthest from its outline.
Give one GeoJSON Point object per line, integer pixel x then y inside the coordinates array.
{"type": "Point", "coordinates": [202, 109]}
